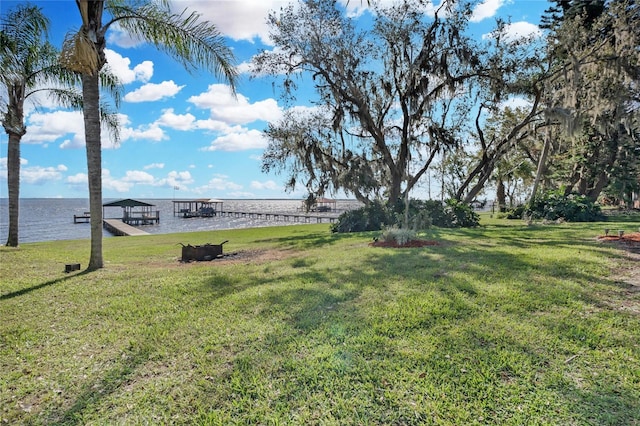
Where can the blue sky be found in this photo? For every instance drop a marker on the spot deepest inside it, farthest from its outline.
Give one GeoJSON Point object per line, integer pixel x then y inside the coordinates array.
{"type": "Point", "coordinates": [181, 130]}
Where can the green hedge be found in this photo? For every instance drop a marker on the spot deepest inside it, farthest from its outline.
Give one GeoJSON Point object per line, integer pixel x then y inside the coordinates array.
{"type": "Point", "coordinates": [422, 215]}
{"type": "Point", "coordinates": [554, 205]}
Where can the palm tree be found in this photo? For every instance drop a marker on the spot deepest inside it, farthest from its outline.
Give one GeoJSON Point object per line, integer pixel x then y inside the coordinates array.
{"type": "Point", "coordinates": [28, 64]}
{"type": "Point", "coordinates": [193, 43]}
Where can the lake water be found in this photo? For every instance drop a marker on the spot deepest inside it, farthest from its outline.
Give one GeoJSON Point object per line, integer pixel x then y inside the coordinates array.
{"type": "Point", "coordinates": [48, 219]}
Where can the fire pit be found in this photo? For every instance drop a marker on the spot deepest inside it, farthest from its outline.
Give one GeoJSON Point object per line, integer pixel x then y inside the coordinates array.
{"type": "Point", "coordinates": [201, 252]}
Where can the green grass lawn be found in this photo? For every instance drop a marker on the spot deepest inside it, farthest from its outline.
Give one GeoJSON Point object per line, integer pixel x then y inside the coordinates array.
{"type": "Point", "coordinates": [502, 324]}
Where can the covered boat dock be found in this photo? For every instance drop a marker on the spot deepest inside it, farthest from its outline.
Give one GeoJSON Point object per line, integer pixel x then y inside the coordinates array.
{"type": "Point", "coordinates": [203, 207]}
{"type": "Point", "coordinates": [135, 212]}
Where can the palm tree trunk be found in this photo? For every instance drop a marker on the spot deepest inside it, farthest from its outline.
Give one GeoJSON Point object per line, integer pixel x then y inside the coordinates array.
{"type": "Point", "coordinates": [13, 124]}
{"type": "Point", "coordinates": [91, 110]}
{"type": "Point", "coordinates": [13, 183]}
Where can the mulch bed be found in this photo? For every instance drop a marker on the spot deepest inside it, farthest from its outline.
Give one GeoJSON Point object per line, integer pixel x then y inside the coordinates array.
{"type": "Point", "coordinates": [633, 237]}
{"type": "Point", "coordinates": [409, 244]}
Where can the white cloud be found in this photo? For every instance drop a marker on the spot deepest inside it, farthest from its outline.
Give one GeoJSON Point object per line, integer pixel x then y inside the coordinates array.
{"type": "Point", "coordinates": [522, 29]}
{"type": "Point", "coordinates": [516, 31]}
{"type": "Point", "coordinates": [120, 66]}
{"type": "Point", "coordinates": [176, 121]}
{"type": "Point", "coordinates": [223, 106]}
{"type": "Point", "coordinates": [111, 183]}
{"type": "Point", "coordinates": [120, 37]}
{"type": "Point", "coordinates": [218, 183]}
{"type": "Point", "coordinates": [154, 166]}
{"type": "Point", "coordinates": [38, 175]}
{"type": "Point", "coordinates": [516, 102]}
{"type": "Point", "coordinates": [3, 166]}
{"type": "Point", "coordinates": [249, 139]}
{"type": "Point", "coordinates": [238, 19]}
{"type": "Point", "coordinates": [247, 19]}
{"type": "Point", "coordinates": [76, 143]}
{"type": "Point", "coordinates": [153, 92]}
{"type": "Point", "coordinates": [486, 9]}
{"type": "Point", "coordinates": [133, 178]}
{"type": "Point", "coordinates": [152, 132]}
{"type": "Point", "coordinates": [245, 68]}
{"type": "Point", "coordinates": [265, 185]}
{"type": "Point", "coordinates": [77, 179]}
{"type": "Point", "coordinates": [137, 176]}
{"type": "Point", "coordinates": [355, 9]}
{"type": "Point", "coordinates": [216, 126]}
{"type": "Point", "coordinates": [174, 178]}
{"type": "Point", "coordinates": [45, 127]}
{"type": "Point", "coordinates": [48, 126]}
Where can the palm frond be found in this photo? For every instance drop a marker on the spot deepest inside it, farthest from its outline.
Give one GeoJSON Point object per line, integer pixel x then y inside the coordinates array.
{"type": "Point", "coordinates": [65, 97]}
{"type": "Point", "coordinates": [110, 121]}
{"type": "Point", "coordinates": [111, 84]}
{"type": "Point", "coordinates": [79, 53]}
{"type": "Point", "coordinates": [183, 36]}
{"type": "Point", "coordinates": [20, 30]}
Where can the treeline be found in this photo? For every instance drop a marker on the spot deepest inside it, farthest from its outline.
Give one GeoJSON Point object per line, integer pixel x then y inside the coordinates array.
{"type": "Point", "coordinates": [414, 100]}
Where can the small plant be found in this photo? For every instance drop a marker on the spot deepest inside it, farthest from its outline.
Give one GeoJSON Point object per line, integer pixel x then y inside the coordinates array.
{"type": "Point", "coordinates": [398, 235]}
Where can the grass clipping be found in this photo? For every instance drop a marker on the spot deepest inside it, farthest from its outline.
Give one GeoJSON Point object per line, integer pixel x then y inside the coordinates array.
{"type": "Point", "coordinates": [79, 54]}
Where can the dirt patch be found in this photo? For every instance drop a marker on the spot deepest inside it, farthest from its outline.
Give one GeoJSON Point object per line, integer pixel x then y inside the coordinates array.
{"type": "Point", "coordinates": [246, 256]}
{"type": "Point", "coordinates": [628, 273]}
{"type": "Point", "coordinates": [409, 244]}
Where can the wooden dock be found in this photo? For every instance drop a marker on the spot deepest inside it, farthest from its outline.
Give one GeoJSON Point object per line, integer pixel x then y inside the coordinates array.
{"type": "Point", "coordinates": [284, 217]}
{"type": "Point", "coordinates": [82, 218]}
{"type": "Point", "coordinates": [119, 228]}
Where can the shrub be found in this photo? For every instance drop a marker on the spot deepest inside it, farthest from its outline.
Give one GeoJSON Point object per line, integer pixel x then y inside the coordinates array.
{"type": "Point", "coordinates": [368, 218]}
{"type": "Point", "coordinates": [460, 215]}
{"type": "Point", "coordinates": [422, 215]}
{"type": "Point", "coordinates": [554, 205]}
{"type": "Point", "coordinates": [516, 213]}
{"type": "Point", "coordinates": [398, 235]}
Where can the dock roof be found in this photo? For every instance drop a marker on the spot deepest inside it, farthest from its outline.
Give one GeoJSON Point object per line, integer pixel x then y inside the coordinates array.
{"type": "Point", "coordinates": [127, 202]}
{"type": "Point", "coordinates": [199, 200]}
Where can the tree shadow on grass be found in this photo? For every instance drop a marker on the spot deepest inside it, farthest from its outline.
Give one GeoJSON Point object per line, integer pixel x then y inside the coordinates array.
{"type": "Point", "coordinates": [102, 387]}
{"type": "Point", "coordinates": [28, 290]}
{"type": "Point", "coordinates": [603, 403]}
{"type": "Point", "coordinates": [341, 335]}
{"type": "Point", "coordinates": [311, 240]}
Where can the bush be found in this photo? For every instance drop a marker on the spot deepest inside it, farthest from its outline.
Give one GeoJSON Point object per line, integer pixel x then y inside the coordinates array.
{"type": "Point", "coordinates": [422, 215]}
{"type": "Point", "coordinates": [555, 205]}
{"type": "Point", "coordinates": [398, 235]}
{"type": "Point", "coordinates": [517, 213]}
{"type": "Point", "coordinates": [368, 218]}
{"type": "Point", "coordinates": [460, 215]}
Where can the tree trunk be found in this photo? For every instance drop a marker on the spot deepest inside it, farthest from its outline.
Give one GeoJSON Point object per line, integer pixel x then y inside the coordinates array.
{"type": "Point", "coordinates": [541, 167]}
{"type": "Point", "coordinates": [15, 128]}
{"type": "Point", "coordinates": [91, 111]}
{"type": "Point", "coordinates": [501, 196]}
{"type": "Point", "coordinates": [602, 178]}
{"type": "Point", "coordinates": [486, 171]}
{"type": "Point", "coordinates": [602, 181]}
{"type": "Point", "coordinates": [395, 189]}
{"type": "Point", "coordinates": [13, 183]}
